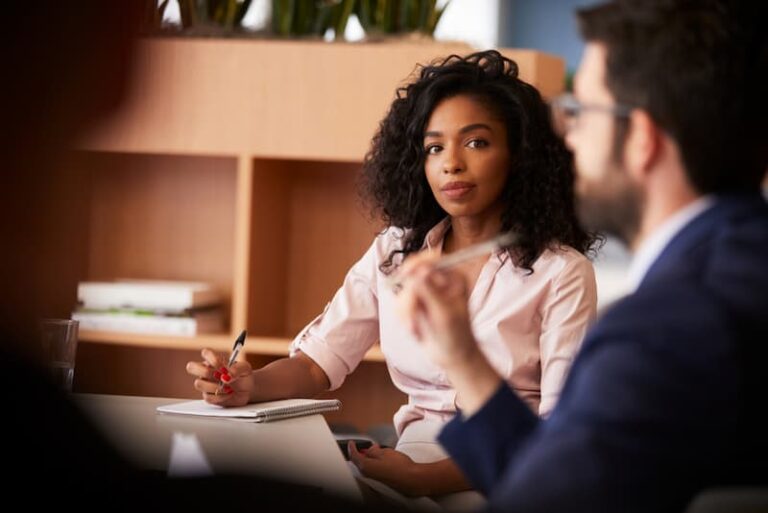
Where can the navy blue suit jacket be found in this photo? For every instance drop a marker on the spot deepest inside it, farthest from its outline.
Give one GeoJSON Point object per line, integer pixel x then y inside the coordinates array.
{"type": "Point", "coordinates": [665, 397]}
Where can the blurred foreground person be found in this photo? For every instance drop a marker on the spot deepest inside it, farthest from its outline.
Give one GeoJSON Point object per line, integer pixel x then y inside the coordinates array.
{"type": "Point", "coordinates": [668, 130]}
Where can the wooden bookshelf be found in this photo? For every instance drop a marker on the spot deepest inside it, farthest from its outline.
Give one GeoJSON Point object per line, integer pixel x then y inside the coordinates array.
{"type": "Point", "coordinates": [234, 162]}
{"type": "Point", "coordinates": [270, 346]}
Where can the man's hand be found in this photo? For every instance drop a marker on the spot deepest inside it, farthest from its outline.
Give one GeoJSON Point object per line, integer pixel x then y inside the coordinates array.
{"type": "Point", "coordinates": [433, 304]}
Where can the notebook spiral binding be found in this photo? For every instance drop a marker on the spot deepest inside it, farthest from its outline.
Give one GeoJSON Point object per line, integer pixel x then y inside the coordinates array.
{"type": "Point", "coordinates": [298, 411]}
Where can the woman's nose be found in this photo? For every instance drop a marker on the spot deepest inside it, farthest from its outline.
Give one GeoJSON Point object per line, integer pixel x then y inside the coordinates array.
{"type": "Point", "coordinates": [452, 161]}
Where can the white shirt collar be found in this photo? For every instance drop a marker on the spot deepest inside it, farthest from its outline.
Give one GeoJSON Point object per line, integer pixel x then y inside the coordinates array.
{"type": "Point", "coordinates": [652, 246]}
{"type": "Point", "coordinates": [436, 234]}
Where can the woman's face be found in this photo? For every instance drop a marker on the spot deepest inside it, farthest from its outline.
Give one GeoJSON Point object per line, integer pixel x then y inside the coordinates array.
{"type": "Point", "coordinates": [467, 157]}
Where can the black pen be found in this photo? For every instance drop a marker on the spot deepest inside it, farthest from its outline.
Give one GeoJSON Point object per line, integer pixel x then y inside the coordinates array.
{"type": "Point", "coordinates": [235, 351]}
{"type": "Point", "coordinates": [239, 343]}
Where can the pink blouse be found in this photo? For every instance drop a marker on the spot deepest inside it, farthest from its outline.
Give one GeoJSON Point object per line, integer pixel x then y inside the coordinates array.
{"type": "Point", "coordinates": [529, 326]}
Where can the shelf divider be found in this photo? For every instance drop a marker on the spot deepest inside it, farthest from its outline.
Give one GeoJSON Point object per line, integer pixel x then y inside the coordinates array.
{"type": "Point", "coordinates": [241, 275]}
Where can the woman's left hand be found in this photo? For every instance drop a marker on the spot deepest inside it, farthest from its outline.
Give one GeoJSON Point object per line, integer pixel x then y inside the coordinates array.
{"type": "Point", "coordinates": [389, 466]}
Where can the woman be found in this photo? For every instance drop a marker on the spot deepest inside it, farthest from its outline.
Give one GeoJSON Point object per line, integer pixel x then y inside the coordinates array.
{"type": "Point", "coordinates": [465, 152]}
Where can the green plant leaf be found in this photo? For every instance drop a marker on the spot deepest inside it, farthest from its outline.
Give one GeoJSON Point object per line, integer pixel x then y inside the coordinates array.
{"type": "Point", "coordinates": [216, 11]}
{"type": "Point", "coordinates": [364, 12]}
{"type": "Point", "coordinates": [303, 17]}
{"type": "Point", "coordinates": [152, 15]}
{"type": "Point", "coordinates": [385, 16]}
{"type": "Point", "coordinates": [345, 11]}
{"type": "Point", "coordinates": [425, 8]}
{"type": "Point", "coordinates": [161, 10]}
{"type": "Point", "coordinates": [201, 7]}
{"type": "Point", "coordinates": [435, 19]}
{"type": "Point", "coordinates": [403, 15]}
{"type": "Point", "coordinates": [242, 10]}
{"type": "Point", "coordinates": [230, 12]}
{"type": "Point", "coordinates": [282, 16]}
{"type": "Point", "coordinates": [323, 18]}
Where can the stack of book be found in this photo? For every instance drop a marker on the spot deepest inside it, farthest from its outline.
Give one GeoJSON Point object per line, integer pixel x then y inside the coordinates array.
{"type": "Point", "coordinates": [149, 307]}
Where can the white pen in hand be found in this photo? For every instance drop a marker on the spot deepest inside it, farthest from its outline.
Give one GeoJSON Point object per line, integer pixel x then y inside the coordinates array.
{"type": "Point", "coordinates": [232, 357]}
{"type": "Point", "coordinates": [502, 241]}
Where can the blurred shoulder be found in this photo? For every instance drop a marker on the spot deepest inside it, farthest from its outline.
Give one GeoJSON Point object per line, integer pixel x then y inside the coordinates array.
{"type": "Point", "coordinates": [563, 260]}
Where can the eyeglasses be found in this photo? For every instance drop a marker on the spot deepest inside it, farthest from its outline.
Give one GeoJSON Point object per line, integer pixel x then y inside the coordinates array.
{"type": "Point", "coordinates": [566, 110]}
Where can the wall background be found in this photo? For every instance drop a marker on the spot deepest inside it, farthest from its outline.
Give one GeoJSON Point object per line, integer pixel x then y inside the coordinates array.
{"type": "Point", "coordinates": [547, 25]}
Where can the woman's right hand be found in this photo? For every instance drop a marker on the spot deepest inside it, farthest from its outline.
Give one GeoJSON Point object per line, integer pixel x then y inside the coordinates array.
{"type": "Point", "coordinates": [221, 385]}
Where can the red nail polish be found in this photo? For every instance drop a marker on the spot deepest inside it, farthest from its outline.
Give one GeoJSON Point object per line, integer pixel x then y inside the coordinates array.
{"type": "Point", "coordinates": [226, 377]}
{"type": "Point", "coordinates": [216, 375]}
{"type": "Point", "coordinates": [228, 389]}
{"type": "Point", "coordinates": [223, 370]}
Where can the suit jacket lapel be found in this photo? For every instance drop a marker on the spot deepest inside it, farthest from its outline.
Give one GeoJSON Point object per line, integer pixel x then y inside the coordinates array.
{"type": "Point", "coordinates": [680, 256]}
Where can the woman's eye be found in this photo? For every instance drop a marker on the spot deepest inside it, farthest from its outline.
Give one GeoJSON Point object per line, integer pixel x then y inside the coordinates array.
{"type": "Point", "coordinates": [477, 143]}
{"type": "Point", "coordinates": [433, 149]}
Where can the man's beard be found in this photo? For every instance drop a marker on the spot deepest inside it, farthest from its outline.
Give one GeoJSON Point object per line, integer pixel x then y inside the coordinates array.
{"type": "Point", "coordinates": [611, 206]}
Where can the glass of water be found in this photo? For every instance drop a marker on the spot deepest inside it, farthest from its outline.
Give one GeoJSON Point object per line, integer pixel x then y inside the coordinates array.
{"type": "Point", "coordinates": [59, 340]}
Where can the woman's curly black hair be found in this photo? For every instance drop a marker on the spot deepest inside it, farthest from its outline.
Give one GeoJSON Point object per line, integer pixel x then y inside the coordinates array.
{"type": "Point", "coordinates": [538, 195]}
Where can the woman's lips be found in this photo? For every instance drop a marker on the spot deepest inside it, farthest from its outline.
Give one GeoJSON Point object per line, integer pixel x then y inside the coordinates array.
{"type": "Point", "coordinates": [456, 190]}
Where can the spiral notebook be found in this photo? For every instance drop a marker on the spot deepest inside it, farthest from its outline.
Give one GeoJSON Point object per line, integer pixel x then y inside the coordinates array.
{"type": "Point", "coordinates": [256, 412]}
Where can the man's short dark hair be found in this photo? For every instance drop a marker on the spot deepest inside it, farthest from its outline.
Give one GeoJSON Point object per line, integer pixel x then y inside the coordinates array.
{"type": "Point", "coordinates": [698, 67]}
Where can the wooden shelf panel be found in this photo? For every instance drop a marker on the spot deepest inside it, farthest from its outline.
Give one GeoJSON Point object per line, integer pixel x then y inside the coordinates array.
{"type": "Point", "coordinates": [276, 99]}
{"type": "Point", "coordinates": [146, 216]}
{"type": "Point", "coordinates": [222, 342]}
{"type": "Point", "coordinates": [270, 346]}
{"type": "Point", "coordinates": [163, 217]}
{"type": "Point", "coordinates": [307, 229]}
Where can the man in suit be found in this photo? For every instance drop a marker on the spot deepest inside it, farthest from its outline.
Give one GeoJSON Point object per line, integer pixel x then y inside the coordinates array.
{"type": "Point", "coordinates": [668, 131]}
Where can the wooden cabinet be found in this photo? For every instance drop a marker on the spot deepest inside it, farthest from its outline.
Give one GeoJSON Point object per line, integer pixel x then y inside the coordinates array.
{"type": "Point", "coordinates": [234, 162]}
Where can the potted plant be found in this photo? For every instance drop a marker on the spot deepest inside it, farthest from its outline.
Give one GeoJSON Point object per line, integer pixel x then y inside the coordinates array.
{"type": "Point", "coordinates": [383, 18]}
{"type": "Point", "coordinates": [380, 19]}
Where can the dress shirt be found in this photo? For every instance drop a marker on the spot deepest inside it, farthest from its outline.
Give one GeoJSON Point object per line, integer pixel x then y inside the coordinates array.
{"type": "Point", "coordinates": [652, 246]}
{"type": "Point", "coordinates": [528, 325]}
